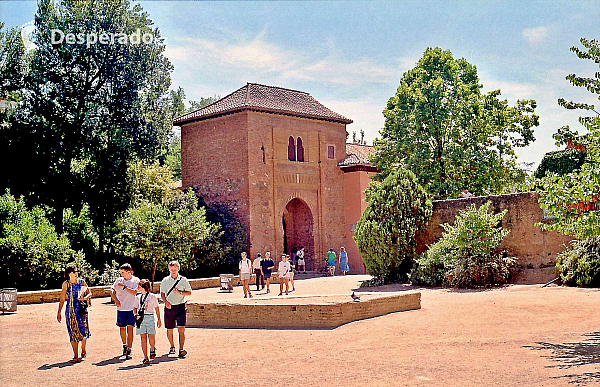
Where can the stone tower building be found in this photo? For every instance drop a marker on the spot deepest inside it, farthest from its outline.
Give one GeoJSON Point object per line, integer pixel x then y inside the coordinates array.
{"type": "Point", "coordinates": [271, 154]}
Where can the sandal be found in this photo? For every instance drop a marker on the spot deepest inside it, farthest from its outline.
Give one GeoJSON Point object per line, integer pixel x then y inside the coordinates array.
{"type": "Point", "coordinates": [74, 360]}
{"type": "Point", "coordinates": [182, 353]}
{"type": "Point", "coordinates": [83, 355]}
{"type": "Point", "coordinates": [146, 361]}
{"type": "Point", "coordinates": [152, 353]}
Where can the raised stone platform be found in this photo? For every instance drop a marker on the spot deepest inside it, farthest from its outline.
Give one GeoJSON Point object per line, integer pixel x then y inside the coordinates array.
{"type": "Point", "coordinates": [302, 312]}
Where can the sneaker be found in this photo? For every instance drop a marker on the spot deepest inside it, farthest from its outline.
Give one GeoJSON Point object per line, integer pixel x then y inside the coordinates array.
{"type": "Point", "coordinates": [172, 351]}
{"type": "Point", "coordinates": [182, 353]}
{"type": "Point", "coordinates": [128, 355]}
{"type": "Point", "coordinates": [124, 350]}
{"type": "Point", "coordinates": [268, 291]}
{"type": "Point", "coordinates": [146, 361]}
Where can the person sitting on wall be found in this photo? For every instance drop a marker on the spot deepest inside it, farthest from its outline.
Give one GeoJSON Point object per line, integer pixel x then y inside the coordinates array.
{"type": "Point", "coordinates": [466, 194]}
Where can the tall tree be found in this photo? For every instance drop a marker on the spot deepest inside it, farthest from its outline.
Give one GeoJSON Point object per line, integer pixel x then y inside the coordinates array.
{"type": "Point", "coordinates": [88, 108]}
{"type": "Point", "coordinates": [572, 198]}
{"type": "Point", "coordinates": [440, 126]}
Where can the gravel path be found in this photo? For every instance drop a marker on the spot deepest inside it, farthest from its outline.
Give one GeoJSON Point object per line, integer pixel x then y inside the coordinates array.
{"type": "Point", "coordinates": [517, 335]}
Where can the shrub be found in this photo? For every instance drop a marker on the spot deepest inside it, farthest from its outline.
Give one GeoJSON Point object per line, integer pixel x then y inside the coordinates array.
{"type": "Point", "coordinates": [32, 254]}
{"type": "Point", "coordinates": [398, 209]}
{"type": "Point", "coordinates": [579, 264]}
{"type": "Point", "coordinates": [110, 274]}
{"type": "Point", "coordinates": [467, 254]}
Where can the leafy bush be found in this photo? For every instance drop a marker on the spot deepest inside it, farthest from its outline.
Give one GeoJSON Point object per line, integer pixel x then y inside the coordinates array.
{"type": "Point", "coordinates": [80, 232]}
{"type": "Point", "coordinates": [466, 255]}
{"type": "Point", "coordinates": [110, 274]}
{"type": "Point", "coordinates": [560, 162]}
{"type": "Point", "coordinates": [579, 264]}
{"type": "Point", "coordinates": [398, 209]}
{"type": "Point", "coordinates": [32, 254]}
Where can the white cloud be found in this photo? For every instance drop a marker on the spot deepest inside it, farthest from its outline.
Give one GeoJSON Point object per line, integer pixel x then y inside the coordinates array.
{"type": "Point", "coordinates": [259, 57]}
{"type": "Point", "coordinates": [535, 35]}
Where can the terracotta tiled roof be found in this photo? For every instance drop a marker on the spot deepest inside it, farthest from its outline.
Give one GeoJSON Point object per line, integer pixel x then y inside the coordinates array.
{"type": "Point", "coordinates": [269, 99]}
{"type": "Point", "coordinates": [357, 159]}
{"type": "Point", "coordinates": [357, 154]}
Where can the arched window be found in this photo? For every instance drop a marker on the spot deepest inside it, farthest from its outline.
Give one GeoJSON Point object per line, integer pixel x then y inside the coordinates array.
{"type": "Point", "coordinates": [291, 149]}
{"type": "Point", "coordinates": [300, 152]}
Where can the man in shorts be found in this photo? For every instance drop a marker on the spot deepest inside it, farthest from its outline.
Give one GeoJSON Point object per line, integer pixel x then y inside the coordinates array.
{"type": "Point", "coordinates": [173, 290]}
{"type": "Point", "coordinates": [123, 294]}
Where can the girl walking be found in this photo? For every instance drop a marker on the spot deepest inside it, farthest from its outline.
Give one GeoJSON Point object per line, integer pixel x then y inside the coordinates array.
{"type": "Point", "coordinates": [147, 305]}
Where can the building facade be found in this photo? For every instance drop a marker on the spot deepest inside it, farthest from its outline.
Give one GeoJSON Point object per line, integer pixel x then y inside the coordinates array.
{"type": "Point", "coordinates": [277, 158]}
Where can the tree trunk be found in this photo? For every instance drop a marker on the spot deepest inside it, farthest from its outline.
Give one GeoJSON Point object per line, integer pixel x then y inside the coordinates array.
{"type": "Point", "coordinates": [153, 272]}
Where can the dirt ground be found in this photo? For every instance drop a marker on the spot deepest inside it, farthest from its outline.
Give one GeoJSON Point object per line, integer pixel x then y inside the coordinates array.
{"type": "Point", "coordinates": [517, 335]}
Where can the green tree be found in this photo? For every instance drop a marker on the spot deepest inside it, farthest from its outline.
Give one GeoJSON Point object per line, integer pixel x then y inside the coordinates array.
{"type": "Point", "coordinates": [87, 110]}
{"type": "Point", "coordinates": [572, 198]}
{"type": "Point", "coordinates": [451, 136]}
{"type": "Point", "coordinates": [195, 105]}
{"type": "Point", "coordinates": [157, 234]}
{"type": "Point", "coordinates": [173, 158]}
{"type": "Point", "coordinates": [398, 209]}
{"type": "Point", "coordinates": [32, 254]}
{"type": "Point", "coordinates": [13, 63]}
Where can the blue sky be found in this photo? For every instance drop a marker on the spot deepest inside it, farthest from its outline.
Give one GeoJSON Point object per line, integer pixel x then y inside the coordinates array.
{"type": "Point", "coordinates": [350, 55]}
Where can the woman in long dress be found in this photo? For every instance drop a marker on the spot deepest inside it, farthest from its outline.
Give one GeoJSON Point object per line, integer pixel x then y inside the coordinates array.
{"type": "Point", "coordinates": [344, 261]}
{"type": "Point", "coordinates": [74, 292]}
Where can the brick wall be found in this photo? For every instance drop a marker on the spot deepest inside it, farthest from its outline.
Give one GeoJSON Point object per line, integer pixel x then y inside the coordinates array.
{"type": "Point", "coordinates": [302, 316]}
{"type": "Point", "coordinates": [355, 184]}
{"type": "Point", "coordinates": [534, 248]}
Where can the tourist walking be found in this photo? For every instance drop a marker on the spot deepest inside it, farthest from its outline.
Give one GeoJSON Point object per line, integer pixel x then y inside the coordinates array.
{"type": "Point", "coordinates": [245, 274]}
{"type": "Point", "coordinates": [173, 290]}
{"type": "Point", "coordinates": [75, 292]}
{"type": "Point", "coordinates": [260, 279]}
{"type": "Point", "coordinates": [291, 273]}
{"type": "Point", "coordinates": [301, 262]}
{"type": "Point", "coordinates": [123, 294]}
{"type": "Point", "coordinates": [146, 305]}
{"type": "Point", "coordinates": [331, 262]}
{"type": "Point", "coordinates": [283, 274]}
{"type": "Point", "coordinates": [344, 268]}
{"type": "Point", "coordinates": [267, 265]}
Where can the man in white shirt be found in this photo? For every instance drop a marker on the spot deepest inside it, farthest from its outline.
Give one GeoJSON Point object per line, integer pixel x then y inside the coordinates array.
{"type": "Point", "coordinates": [123, 294]}
{"type": "Point", "coordinates": [258, 272]}
{"type": "Point", "coordinates": [173, 289]}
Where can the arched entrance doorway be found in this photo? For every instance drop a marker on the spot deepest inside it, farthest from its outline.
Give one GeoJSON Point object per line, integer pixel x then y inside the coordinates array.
{"type": "Point", "coordinates": [298, 230]}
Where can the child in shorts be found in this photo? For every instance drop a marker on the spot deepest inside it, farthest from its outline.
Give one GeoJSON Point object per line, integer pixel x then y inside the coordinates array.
{"type": "Point", "coordinates": [123, 294]}
{"type": "Point", "coordinates": [149, 303]}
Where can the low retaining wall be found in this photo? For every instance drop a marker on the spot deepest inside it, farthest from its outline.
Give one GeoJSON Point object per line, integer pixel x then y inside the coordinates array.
{"type": "Point", "coordinates": [302, 316]}
{"type": "Point", "coordinates": [40, 296]}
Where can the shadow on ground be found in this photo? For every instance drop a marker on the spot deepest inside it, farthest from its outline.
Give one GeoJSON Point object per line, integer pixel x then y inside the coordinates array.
{"type": "Point", "coordinates": [571, 355]}
{"type": "Point", "coordinates": [401, 287]}
{"type": "Point", "coordinates": [160, 359]}
{"type": "Point", "coordinates": [63, 364]}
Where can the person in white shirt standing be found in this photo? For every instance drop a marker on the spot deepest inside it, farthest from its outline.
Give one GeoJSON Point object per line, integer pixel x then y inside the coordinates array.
{"type": "Point", "coordinates": [260, 280]}
{"type": "Point", "coordinates": [123, 294]}
{"type": "Point", "coordinates": [283, 273]}
{"type": "Point", "coordinates": [173, 290]}
{"type": "Point", "coordinates": [246, 274]}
